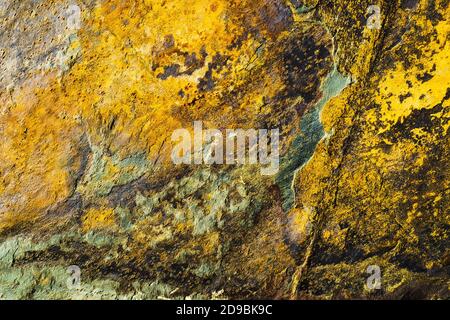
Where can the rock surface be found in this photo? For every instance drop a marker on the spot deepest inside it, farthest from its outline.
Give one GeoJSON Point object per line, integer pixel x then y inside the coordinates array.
{"type": "Point", "coordinates": [91, 91]}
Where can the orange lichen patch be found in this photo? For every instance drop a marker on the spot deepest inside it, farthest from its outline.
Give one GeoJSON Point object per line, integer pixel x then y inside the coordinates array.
{"type": "Point", "coordinates": [121, 96]}
{"type": "Point", "coordinates": [141, 70]}
{"type": "Point", "coordinates": [38, 147]}
{"type": "Point", "coordinates": [197, 23]}
{"type": "Point", "coordinates": [95, 219]}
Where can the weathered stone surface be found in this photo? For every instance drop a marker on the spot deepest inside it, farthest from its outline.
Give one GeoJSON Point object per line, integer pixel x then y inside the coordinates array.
{"type": "Point", "coordinates": [91, 91]}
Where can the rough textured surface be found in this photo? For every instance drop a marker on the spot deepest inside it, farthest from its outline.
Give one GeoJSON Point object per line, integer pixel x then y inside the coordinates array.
{"type": "Point", "coordinates": [87, 111]}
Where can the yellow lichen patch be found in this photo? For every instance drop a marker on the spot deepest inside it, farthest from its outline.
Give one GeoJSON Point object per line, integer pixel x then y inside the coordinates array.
{"type": "Point", "coordinates": [403, 91]}
{"type": "Point", "coordinates": [212, 242]}
{"type": "Point", "coordinates": [150, 232]}
{"type": "Point", "coordinates": [94, 219]}
{"type": "Point", "coordinates": [379, 181]}
{"type": "Point", "coordinates": [335, 109]}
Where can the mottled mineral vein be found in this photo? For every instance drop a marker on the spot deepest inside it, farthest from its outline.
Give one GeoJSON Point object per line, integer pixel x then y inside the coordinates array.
{"type": "Point", "coordinates": [304, 145]}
